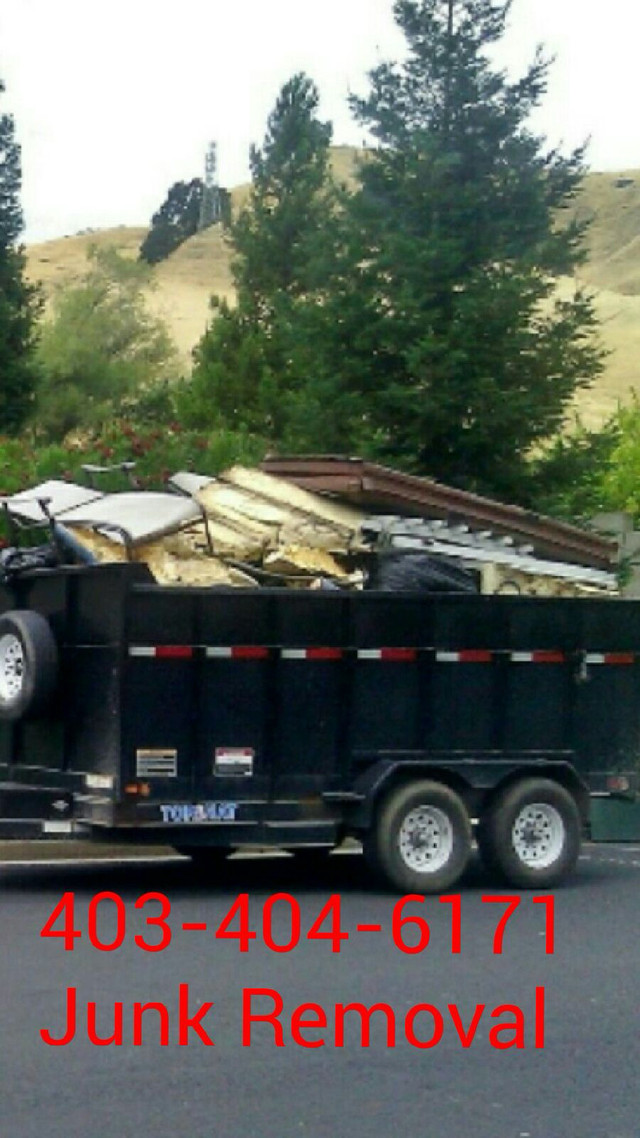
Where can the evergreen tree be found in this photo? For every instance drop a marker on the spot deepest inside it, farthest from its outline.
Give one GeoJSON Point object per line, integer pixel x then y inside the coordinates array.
{"type": "Point", "coordinates": [175, 221]}
{"type": "Point", "coordinates": [246, 373]}
{"type": "Point", "coordinates": [462, 356]}
{"type": "Point", "coordinates": [278, 235]}
{"type": "Point", "coordinates": [19, 303]}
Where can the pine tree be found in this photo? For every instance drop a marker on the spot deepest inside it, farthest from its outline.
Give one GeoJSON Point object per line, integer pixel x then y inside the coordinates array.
{"type": "Point", "coordinates": [462, 355]}
{"type": "Point", "coordinates": [276, 237]}
{"type": "Point", "coordinates": [175, 221]}
{"type": "Point", "coordinates": [246, 373]}
{"type": "Point", "coordinates": [19, 303]}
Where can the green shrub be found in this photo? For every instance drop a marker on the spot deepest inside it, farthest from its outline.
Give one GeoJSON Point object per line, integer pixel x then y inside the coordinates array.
{"type": "Point", "coordinates": [157, 451]}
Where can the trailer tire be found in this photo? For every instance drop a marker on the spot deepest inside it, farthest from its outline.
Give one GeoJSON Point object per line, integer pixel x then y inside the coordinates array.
{"type": "Point", "coordinates": [28, 664]}
{"type": "Point", "coordinates": [421, 839]}
{"type": "Point", "coordinates": [531, 834]}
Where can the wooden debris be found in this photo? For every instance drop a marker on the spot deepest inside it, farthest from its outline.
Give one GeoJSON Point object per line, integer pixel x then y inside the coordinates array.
{"type": "Point", "coordinates": [508, 580]}
{"type": "Point", "coordinates": [170, 559]}
{"type": "Point", "coordinates": [291, 560]}
{"type": "Point", "coordinates": [296, 542]}
{"type": "Point", "coordinates": [295, 500]}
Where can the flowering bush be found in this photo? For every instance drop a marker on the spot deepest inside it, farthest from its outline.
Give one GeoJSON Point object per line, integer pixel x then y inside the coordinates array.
{"type": "Point", "coordinates": [157, 452]}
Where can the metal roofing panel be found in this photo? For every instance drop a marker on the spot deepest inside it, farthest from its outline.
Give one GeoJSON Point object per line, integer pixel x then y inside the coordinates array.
{"type": "Point", "coordinates": [378, 487]}
{"type": "Point", "coordinates": [142, 515]}
{"type": "Point", "coordinates": [60, 496]}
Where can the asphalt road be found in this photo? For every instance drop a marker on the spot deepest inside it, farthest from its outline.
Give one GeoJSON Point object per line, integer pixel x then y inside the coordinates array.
{"type": "Point", "coordinates": [577, 1074]}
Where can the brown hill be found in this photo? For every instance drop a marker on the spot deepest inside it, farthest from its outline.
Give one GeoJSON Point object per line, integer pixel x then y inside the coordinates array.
{"type": "Point", "coordinates": [201, 267]}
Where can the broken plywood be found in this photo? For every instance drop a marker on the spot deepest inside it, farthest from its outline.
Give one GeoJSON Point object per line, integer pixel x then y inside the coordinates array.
{"type": "Point", "coordinates": [291, 560]}
{"type": "Point", "coordinates": [293, 498]}
{"type": "Point", "coordinates": [256, 505]}
{"type": "Point", "coordinates": [172, 560]}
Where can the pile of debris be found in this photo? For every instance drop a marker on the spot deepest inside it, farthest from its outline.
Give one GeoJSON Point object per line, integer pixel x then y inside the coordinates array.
{"type": "Point", "coordinates": [241, 529]}
{"type": "Point", "coordinates": [248, 527]}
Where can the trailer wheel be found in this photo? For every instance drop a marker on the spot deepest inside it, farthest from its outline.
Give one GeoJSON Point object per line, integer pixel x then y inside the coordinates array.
{"type": "Point", "coordinates": [421, 841]}
{"type": "Point", "coordinates": [28, 664]}
{"type": "Point", "coordinates": [531, 834]}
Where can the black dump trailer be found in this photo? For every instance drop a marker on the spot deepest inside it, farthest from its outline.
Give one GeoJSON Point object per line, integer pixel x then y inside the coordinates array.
{"type": "Point", "coordinates": [217, 718]}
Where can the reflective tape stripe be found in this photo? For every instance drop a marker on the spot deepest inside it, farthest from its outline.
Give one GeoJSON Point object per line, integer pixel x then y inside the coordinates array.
{"type": "Point", "coordinates": [465, 656]}
{"type": "Point", "coordinates": [249, 652]}
{"type": "Point", "coordinates": [311, 653]}
{"type": "Point", "coordinates": [162, 651]}
{"type": "Point", "coordinates": [462, 656]}
{"type": "Point", "coordinates": [397, 654]}
{"type": "Point", "coordinates": [609, 658]}
{"type": "Point", "coordinates": [174, 652]}
{"type": "Point", "coordinates": [539, 657]}
{"type": "Point", "coordinates": [238, 652]}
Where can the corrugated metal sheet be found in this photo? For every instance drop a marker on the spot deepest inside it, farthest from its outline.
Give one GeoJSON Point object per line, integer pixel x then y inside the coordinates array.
{"type": "Point", "coordinates": [373, 487]}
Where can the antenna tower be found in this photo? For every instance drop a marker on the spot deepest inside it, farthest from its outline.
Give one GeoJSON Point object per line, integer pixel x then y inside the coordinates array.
{"type": "Point", "coordinates": [211, 208]}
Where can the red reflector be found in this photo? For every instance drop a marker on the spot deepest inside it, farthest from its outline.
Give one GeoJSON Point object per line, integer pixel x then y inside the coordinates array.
{"type": "Point", "coordinates": [618, 657]}
{"type": "Point", "coordinates": [174, 652]}
{"type": "Point", "coordinates": [618, 783]}
{"type": "Point", "coordinates": [324, 654]}
{"type": "Point", "coordinates": [475, 656]}
{"type": "Point", "coordinates": [398, 654]}
{"type": "Point", "coordinates": [547, 657]}
{"type": "Point", "coordinates": [249, 652]}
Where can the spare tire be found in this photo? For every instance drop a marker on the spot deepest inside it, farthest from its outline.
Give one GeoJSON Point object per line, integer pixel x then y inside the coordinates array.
{"type": "Point", "coordinates": [28, 664]}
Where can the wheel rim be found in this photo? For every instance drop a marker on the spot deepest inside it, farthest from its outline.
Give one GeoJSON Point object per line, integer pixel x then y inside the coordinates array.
{"type": "Point", "coordinates": [538, 835]}
{"type": "Point", "coordinates": [425, 839]}
{"type": "Point", "coordinates": [11, 668]}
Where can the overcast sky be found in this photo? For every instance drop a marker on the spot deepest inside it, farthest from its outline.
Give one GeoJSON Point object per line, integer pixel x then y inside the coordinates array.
{"type": "Point", "coordinates": [114, 100]}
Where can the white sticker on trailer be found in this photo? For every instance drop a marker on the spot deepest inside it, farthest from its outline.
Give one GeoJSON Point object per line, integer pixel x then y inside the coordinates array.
{"type": "Point", "coordinates": [156, 763]}
{"type": "Point", "coordinates": [233, 762]}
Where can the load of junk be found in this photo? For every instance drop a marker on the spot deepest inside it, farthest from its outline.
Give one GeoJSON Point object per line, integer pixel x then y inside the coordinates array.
{"type": "Point", "coordinates": [247, 528]}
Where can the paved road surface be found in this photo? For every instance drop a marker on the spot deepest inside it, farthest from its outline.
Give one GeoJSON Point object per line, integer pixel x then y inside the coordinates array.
{"type": "Point", "coordinates": [584, 1082]}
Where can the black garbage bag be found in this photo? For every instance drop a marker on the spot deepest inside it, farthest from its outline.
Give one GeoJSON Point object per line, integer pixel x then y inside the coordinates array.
{"type": "Point", "coordinates": [15, 561]}
{"type": "Point", "coordinates": [399, 571]}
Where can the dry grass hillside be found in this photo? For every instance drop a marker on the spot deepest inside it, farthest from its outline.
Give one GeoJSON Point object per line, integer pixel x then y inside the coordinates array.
{"type": "Point", "coordinates": [201, 267]}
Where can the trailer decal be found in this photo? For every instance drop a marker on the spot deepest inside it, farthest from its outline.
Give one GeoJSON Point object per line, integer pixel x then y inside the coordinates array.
{"type": "Point", "coordinates": [233, 762]}
{"type": "Point", "coordinates": [180, 813]}
{"type": "Point", "coordinates": [156, 763]}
